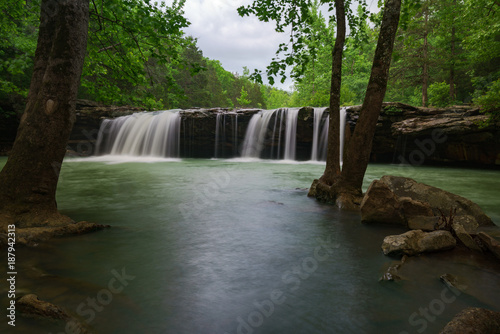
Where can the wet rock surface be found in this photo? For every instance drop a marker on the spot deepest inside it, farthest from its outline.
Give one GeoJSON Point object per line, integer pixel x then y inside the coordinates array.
{"type": "Point", "coordinates": [397, 200]}
{"type": "Point", "coordinates": [417, 241]}
{"type": "Point", "coordinates": [474, 320]}
{"type": "Point", "coordinates": [34, 235]}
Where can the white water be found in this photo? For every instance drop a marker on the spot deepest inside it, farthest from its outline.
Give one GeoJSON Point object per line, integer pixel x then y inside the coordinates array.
{"type": "Point", "coordinates": [256, 134]}
{"type": "Point", "coordinates": [291, 133]}
{"type": "Point", "coordinates": [219, 123]}
{"type": "Point", "coordinates": [141, 134]}
{"type": "Point", "coordinates": [320, 138]}
{"type": "Point", "coordinates": [318, 116]}
{"type": "Point", "coordinates": [157, 135]}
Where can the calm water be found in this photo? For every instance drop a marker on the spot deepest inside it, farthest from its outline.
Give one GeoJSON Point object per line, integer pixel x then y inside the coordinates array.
{"type": "Point", "coordinates": [225, 246]}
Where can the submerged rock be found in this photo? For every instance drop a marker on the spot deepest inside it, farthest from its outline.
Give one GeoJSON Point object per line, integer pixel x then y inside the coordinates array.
{"type": "Point", "coordinates": [400, 200]}
{"type": "Point", "coordinates": [474, 320]}
{"type": "Point", "coordinates": [417, 241]}
{"type": "Point", "coordinates": [33, 235]}
{"type": "Point", "coordinates": [392, 272]}
{"type": "Point", "coordinates": [453, 282]}
{"type": "Point", "coordinates": [31, 306]}
{"type": "Point", "coordinates": [491, 243]}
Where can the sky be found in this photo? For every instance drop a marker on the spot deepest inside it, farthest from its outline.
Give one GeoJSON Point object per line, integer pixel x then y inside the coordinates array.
{"type": "Point", "coordinates": [233, 40]}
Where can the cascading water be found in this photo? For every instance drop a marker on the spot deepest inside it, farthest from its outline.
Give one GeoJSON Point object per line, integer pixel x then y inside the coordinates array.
{"type": "Point", "coordinates": [317, 145]}
{"type": "Point", "coordinates": [256, 134]}
{"type": "Point", "coordinates": [141, 134]}
{"type": "Point", "coordinates": [270, 134]}
{"type": "Point", "coordinates": [320, 138]}
{"type": "Point", "coordinates": [219, 124]}
{"type": "Point", "coordinates": [291, 133]}
{"type": "Point", "coordinates": [234, 122]}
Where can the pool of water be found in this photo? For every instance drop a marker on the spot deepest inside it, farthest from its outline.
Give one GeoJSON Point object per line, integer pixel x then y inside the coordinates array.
{"type": "Point", "coordinates": [232, 246]}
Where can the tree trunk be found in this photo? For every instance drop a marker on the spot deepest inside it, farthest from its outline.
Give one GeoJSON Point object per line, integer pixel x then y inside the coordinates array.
{"type": "Point", "coordinates": [28, 181]}
{"type": "Point", "coordinates": [346, 191]}
{"type": "Point", "coordinates": [452, 65]}
{"type": "Point", "coordinates": [332, 169]}
{"type": "Point", "coordinates": [425, 69]}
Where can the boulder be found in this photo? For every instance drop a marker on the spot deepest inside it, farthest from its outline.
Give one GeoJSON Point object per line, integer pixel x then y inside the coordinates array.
{"type": "Point", "coordinates": [424, 223]}
{"type": "Point", "coordinates": [417, 241]}
{"type": "Point", "coordinates": [465, 237]}
{"type": "Point", "coordinates": [474, 320]}
{"type": "Point", "coordinates": [468, 222]}
{"type": "Point", "coordinates": [381, 205]}
{"type": "Point", "coordinates": [397, 200]}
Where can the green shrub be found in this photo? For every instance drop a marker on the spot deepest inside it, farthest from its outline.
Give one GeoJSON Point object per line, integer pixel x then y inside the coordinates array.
{"type": "Point", "coordinates": [439, 94]}
{"type": "Point", "coordinates": [490, 100]}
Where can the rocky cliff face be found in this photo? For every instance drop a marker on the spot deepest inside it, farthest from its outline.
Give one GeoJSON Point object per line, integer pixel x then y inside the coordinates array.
{"type": "Point", "coordinates": [404, 134]}
{"type": "Point", "coordinates": [416, 136]}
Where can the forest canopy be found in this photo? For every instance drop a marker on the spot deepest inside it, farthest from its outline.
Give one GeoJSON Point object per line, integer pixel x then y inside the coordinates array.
{"type": "Point", "coordinates": [446, 52]}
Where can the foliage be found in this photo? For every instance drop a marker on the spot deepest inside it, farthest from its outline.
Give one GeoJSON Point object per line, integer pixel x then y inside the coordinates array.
{"type": "Point", "coordinates": [439, 94]}
{"type": "Point", "coordinates": [19, 30]}
{"type": "Point", "coordinates": [490, 100]}
{"type": "Point", "coordinates": [136, 54]}
{"type": "Point", "coordinates": [243, 99]}
{"type": "Point", "coordinates": [300, 19]}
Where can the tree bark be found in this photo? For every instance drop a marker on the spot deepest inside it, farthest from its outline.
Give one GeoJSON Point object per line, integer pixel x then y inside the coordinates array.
{"type": "Point", "coordinates": [360, 145]}
{"type": "Point", "coordinates": [346, 192]}
{"type": "Point", "coordinates": [425, 65]}
{"type": "Point", "coordinates": [452, 65]}
{"type": "Point", "coordinates": [29, 179]}
{"type": "Point", "coordinates": [332, 169]}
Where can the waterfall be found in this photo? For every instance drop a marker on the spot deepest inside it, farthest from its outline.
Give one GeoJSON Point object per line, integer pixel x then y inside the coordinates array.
{"type": "Point", "coordinates": [343, 113]}
{"type": "Point", "coordinates": [256, 134]}
{"type": "Point", "coordinates": [291, 133]}
{"type": "Point", "coordinates": [320, 138]}
{"type": "Point", "coordinates": [141, 134]}
{"type": "Point", "coordinates": [281, 111]}
{"type": "Point", "coordinates": [234, 122]}
{"type": "Point", "coordinates": [218, 124]}
{"type": "Point", "coordinates": [317, 145]}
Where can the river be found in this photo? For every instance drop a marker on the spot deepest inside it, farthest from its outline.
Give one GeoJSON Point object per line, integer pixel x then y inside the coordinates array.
{"type": "Point", "coordinates": [235, 246]}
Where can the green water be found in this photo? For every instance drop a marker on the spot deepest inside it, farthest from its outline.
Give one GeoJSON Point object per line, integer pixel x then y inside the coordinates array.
{"type": "Point", "coordinates": [225, 246]}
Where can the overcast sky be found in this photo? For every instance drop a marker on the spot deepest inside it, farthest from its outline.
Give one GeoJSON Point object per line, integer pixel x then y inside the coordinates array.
{"type": "Point", "coordinates": [236, 41]}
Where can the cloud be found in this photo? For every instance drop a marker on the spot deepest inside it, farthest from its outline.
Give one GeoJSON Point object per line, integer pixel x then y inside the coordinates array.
{"type": "Point", "coordinates": [233, 40]}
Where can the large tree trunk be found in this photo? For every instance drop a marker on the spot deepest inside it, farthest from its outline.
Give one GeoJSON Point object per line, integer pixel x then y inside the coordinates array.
{"type": "Point", "coordinates": [28, 181]}
{"type": "Point", "coordinates": [332, 169]}
{"type": "Point", "coordinates": [346, 191]}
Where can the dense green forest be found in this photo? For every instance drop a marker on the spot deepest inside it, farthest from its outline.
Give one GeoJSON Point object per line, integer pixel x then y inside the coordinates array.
{"type": "Point", "coordinates": [446, 52]}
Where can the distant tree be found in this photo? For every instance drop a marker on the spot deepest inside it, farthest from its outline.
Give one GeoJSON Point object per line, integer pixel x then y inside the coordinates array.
{"type": "Point", "coordinates": [243, 99]}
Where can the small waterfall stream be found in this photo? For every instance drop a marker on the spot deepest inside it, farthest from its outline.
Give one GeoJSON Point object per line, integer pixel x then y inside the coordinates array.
{"type": "Point", "coordinates": [291, 133]}
{"type": "Point", "coordinates": [256, 134]}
